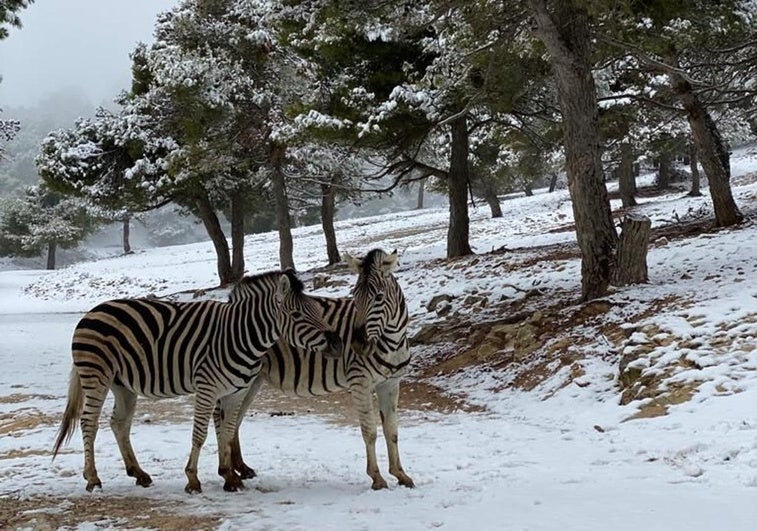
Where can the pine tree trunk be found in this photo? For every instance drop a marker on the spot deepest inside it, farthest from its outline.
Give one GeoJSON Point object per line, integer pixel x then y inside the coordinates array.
{"type": "Point", "coordinates": [663, 173]}
{"type": "Point", "coordinates": [237, 236]}
{"type": "Point", "coordinates": [626, 179]}
{"type": "Point", "coordinates": [631, 264]}
{"type": "Point", "coordinates": [51, 248]}
{"type": "Point", "coordinates": [459, 222]}
{"type": "Point", "coordinates": [712, 152]}
{"type": "Point", "coordinates": [694, 165]}
{"type": "Point", "coordinates": [553, 182]}
{"type": "Point", "coordinates": [327, 221]}
{"type": "Point", "coordinates": [213, 227]}
{"type": "Point", "coordinates": [565, 34]}
{"type": "Point", "coordinates": [421, 191]}
{"type": "Point", "coordinates": [528, 190]}
{"type": "Point", "coordinates": [283, 220]}
{"type": "Point", "coordinates": [490, 195]}
{"type": "Point", "coordinates": [126, 233]}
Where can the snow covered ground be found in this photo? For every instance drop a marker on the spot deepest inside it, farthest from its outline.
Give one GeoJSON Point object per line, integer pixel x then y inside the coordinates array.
{"type": "Point", "coordinates": [562, 456]}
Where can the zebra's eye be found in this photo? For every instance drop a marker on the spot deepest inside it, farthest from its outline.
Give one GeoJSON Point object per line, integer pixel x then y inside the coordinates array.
{"type": "Point", "coordinates": [297, 314]}
{"type": "Point", "coordinates": [379, 297]}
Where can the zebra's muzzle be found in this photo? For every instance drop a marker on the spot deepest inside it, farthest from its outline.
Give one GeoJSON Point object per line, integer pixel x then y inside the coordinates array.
{"type": "Point", "coordinates": [335, 345]}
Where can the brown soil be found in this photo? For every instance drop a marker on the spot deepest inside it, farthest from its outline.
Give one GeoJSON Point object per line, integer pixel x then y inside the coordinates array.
{"type": "Point", "coordinates": [43, 513]}
{"type": "Point", "coordinates": [415, 396]}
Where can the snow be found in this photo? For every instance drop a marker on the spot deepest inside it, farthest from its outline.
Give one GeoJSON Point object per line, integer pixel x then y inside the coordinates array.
{"type": "Point", "coordinates": [564, 456]}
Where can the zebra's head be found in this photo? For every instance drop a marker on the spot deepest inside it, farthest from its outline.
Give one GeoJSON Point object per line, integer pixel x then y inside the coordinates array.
{"type": "Point", "coordinates": [377, 295]}
{"type": "Point", "coordinates": [300, 319]}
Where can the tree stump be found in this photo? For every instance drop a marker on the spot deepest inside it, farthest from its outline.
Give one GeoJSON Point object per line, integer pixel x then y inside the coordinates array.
{"type": "Point", "coordinates": [631, 259]}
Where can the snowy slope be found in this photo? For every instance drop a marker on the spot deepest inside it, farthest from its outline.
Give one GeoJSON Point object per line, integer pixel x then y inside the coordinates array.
{"type": "Point", "coordinates": [562, 456]}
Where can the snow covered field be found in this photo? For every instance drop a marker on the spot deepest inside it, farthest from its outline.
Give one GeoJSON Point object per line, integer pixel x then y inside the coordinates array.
{"type": "Point", "coordinates": [563, 456]}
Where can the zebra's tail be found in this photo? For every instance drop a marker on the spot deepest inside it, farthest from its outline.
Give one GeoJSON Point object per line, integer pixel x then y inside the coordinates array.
{"type": "Point", "coordinates": [73, 411]}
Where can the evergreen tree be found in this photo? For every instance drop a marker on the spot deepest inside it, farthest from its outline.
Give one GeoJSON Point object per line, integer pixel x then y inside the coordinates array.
{"type": "Point", "coordinates": [705, 51]}
{"type": "Point", "coordinates": [9, 14]}
{"type": "Point", "coordinates": [43, 221]}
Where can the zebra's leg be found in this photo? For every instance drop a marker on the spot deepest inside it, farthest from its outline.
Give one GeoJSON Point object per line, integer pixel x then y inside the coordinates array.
{"type": "Point", "coordinates": [120, 423]}
{"type": "Point", "coordinates": [362, 398]}
{"type": "Point", "coordinates": [95, 392]}
{"type": "Point", "coordinates": [388, 393]}
{"type": "Point", "coordinates": [229, 412]}
{"type": "Point", "coordinates": [204, 401]}
{"type": "Point", "coordinates": [237, 462]}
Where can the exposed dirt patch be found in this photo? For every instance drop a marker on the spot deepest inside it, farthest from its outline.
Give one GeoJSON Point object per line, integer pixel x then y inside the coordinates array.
{"type": "Point", "coordinates": [415, 395]}
{"type": "Point", "coordinates": [48, 513]}
{"type": "Point", "coordinates": [16, 398]}
{"type": "Point", "coordinates": [23, 419]}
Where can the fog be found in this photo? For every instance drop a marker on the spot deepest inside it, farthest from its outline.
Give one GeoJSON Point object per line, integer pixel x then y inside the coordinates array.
{"type": "Point", "coordinates": [76, 46]}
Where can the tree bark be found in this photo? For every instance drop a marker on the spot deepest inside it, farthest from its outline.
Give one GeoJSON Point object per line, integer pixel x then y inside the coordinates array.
{"type": "Point", "coordinates": [553, 182]}
{"type": "Point", "coordinates": [626, 179]}
{"type": "Point", "coordinates": [213, 227]}
{"type": "Point", "coordinates": [694, 165]}
{"type": "Point", "coordinates": [663, 173]}
{"type": "Point", "coordinates": [631, 265]}
{"type": "Point", "coordinates": [565, 33]}
{"type": "Point", "coordinates": [490, 196]}
{"type": "Point", "coordinates": [51, 248]}
{"type": "Point", "coordinates": [459, 223]}
{"type": "Point", "coordinates": [421, 192]}
{"type": "Point", "coordinates": [237, 235]}
{"type": "Point", "coordinates": [712, 152]}
{"type": "Point", "coordinates": [327, 221]}
{"type": "Point", "coordinates": [126, 233]}
{"type": "Point", "coordinates": [283, 220]}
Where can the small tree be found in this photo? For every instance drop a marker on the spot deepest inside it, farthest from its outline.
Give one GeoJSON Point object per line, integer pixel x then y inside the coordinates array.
{"type": "Point", "coordinates": [43, 221]}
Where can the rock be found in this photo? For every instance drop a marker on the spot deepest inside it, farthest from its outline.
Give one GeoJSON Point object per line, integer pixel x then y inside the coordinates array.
{"type": "Point", "coordinates": [425, 335]}
{"type": "Point", "coordinates": [443, 308]}
{"type": "Point", "coordinates": [320, 280]}
{"type": "Point", "coordinates": [436, 300]}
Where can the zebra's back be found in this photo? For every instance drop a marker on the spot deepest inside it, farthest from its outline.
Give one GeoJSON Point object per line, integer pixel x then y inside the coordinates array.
{"type": "Point", "coordinates": [149, 346]}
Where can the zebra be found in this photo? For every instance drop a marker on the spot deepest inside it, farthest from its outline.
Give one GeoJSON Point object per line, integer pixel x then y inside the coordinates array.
{"type": "Point", "coordinates": [159, 349]}
{"type": "Point", "coordinates": [373, 328]}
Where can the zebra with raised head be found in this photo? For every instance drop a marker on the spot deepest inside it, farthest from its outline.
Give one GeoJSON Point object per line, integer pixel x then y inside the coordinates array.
{"type": "Point", "coordinates": [161, 349]}
{"type": "Point", "coordinates": [373, 327]}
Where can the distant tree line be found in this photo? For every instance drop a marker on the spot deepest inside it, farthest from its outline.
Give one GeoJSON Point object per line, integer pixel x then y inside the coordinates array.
{"type": "Point", "coordinates": [281, 107]}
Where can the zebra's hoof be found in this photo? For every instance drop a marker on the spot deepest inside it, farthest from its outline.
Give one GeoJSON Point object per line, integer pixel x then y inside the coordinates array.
{"type": "Point", "coordinates": [91, 484]}
{"type": "Point", "coordinates": [245, 472]}
{"type": "Point", "coordinates": [193, 487]}
{"type": "Point", "coordinates": [379, 483]}
{"type": "Point", "coordinates": [233, 485]}
{"type": "Point", "coordinates": [407, 482]}
{"type": "Point", "coordinates": [144, 480]}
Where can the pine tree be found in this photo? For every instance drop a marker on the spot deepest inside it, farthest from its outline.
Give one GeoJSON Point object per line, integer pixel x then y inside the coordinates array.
{"type": "Point", "coordinates": [42, 221]}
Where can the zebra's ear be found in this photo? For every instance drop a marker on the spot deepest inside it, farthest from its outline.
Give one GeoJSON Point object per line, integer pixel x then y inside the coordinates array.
{"type": "Point", "coordinates": [353, 263]}
{"type": "Point", "coordinates": [390, 262]}
{"type": "Point", "coordinates": [283, 288]}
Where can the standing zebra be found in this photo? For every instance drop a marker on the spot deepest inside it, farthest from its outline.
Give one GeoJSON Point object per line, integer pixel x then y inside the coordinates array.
{"type": "Point", "coordinates": [373, 327]}
{"type": "Point", "coordinates": [163, 349]}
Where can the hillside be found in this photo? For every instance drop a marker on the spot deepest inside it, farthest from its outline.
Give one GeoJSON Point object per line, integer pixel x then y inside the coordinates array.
{"type": "Point", "coordinates": [523, 405]}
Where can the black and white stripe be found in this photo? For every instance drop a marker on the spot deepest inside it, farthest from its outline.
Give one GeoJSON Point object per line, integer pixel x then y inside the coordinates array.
{"type": "Point", "coordinates": [373, 327]}
{"type": "Point", "coordinates": [159, 349]}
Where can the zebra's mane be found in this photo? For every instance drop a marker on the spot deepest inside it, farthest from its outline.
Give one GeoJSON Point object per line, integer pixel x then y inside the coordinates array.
{"type": "Point", "coordinates": [370, 264]}
{"type": "Point", "coordinates": [372, 260]}
{"type": "Point", "coordinates": [239, 289]}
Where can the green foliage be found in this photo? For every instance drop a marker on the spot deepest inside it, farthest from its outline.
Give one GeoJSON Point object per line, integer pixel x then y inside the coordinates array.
{"type": "Point", "coordinates": [42, 217]}
{"type": "Point", "coordinates": [9, 15]}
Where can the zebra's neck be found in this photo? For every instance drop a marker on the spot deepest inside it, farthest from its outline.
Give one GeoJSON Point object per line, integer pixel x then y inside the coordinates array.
{"type": "Point", "coordinates": [255, 307]}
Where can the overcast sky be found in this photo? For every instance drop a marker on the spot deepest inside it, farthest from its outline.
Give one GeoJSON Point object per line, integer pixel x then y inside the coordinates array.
{"type": "Point", "coordinates": [82, 44]}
